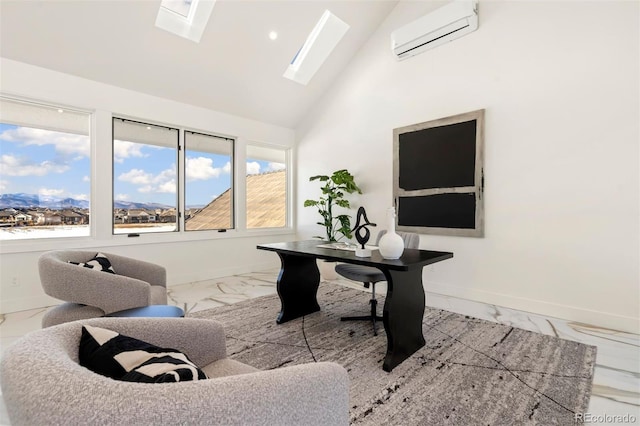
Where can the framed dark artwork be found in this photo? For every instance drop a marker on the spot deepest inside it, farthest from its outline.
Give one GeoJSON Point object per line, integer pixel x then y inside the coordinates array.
{"type": "Point", "coordinates": [438, 175]}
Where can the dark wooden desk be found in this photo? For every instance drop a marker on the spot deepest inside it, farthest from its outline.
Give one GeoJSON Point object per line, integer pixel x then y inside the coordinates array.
{"type": "Point", "coordinates": [403, 311]}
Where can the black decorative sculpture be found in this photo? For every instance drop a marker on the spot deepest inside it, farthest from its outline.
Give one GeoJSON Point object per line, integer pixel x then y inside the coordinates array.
{"type": "Point", "coordinates": [362, 238]}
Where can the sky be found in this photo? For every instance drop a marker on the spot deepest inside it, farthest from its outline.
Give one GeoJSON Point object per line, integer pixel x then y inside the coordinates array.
{"type": "Point", "coordinates": [48, 163]}
{"type": "Point", "coordinates": [36, 161]}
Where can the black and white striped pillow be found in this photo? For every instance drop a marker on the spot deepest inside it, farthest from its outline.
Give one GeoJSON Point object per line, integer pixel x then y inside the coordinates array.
{"type": "Point", "coordinates": [126, 358]}
{"type": "Point", "coordinates": [98, 263]}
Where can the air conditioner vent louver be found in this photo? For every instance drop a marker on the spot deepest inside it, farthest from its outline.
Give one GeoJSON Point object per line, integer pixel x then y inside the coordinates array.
{"type": "Point", "coordinates": [445, 24]}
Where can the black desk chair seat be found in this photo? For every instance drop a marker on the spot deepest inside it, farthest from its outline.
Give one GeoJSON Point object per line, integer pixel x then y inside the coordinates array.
{"type": "Point", "coordinates": [369, 276]}
{"type": "Point", "coordinates": [364, 274]}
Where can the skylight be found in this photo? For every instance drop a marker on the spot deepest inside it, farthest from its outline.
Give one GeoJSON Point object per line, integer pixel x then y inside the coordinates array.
{"type": "Point", "coordinates": [186, 18]}
{"type": "Point", "coordinates": [181, 7]}
{"type": "Point", "coordinates": [316, 49]}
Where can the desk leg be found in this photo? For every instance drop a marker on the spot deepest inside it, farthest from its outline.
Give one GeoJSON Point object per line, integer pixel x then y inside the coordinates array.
{"type": "Point", "coordinates": [298, 283]}
{"type": "Point", "coordinates": [403, 314]}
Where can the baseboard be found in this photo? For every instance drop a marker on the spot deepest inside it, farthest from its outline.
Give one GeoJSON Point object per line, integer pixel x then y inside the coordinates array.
{"type": "Point", "coordinates": [565, 312]}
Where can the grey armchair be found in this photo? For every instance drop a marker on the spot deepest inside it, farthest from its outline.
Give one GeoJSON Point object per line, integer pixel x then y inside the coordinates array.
{"type": "Point", "coordinates": [43, 383]}
{"type": "Point", "coordinates": [90, 294]}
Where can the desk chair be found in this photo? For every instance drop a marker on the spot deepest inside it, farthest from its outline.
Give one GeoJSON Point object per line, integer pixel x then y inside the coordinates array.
{"type": "Point", "coordinates": [369, 276]}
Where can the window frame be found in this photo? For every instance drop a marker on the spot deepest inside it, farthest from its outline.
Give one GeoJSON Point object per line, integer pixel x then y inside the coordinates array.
{"type": "Point", "coordinates": [232, 186]}
{"type": "Point", "coordinates": [21, 245]}
{"type": "Point", "coordinates": [101, 214]}
{"type": "Point", "coordinates": [113, 176]}
{"type": "Point", "coordinates": [288, 188]}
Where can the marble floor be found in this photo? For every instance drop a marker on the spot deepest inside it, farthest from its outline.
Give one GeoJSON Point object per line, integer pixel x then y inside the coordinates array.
{"type": "Point", "coordinates": [615, 395]}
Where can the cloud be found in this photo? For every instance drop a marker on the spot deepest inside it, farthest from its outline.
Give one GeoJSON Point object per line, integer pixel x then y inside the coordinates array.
{"type": "Point", "coordinates": [253, 167]}
{"type": "Point", "coordinates": [201, 168]}
{"type": "Point", "coordinates": [55, 192]}
{"type": "Point", "coordinates": [11, 165]}
{"type": "Point", "coordinates": [123, 150]}
{"type": "Point", "coordinates": [163, 182]}
{"type": "Point", "coordinates": [86, 179]}
{"type": "Point", "coordinates": [122, 197]}
{"type": "Point", "coordinates": [168, 187]}
{"type": "Point", "coordinates": [274, 167]}
{"type": "Point", "coordinates": [3, 184]}
{"type": "Point", "coordinates": [66, 144]}
{"type": "Point", "coordinates": [50, 192]}
{"type": "Point", "coordinates": [136, 177]}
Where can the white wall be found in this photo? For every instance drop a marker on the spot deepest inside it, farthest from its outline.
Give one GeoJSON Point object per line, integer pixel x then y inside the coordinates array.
{"type": "Point", "coordinates": [560, 85]}
{"type": "Point", "coordinates": [193, 257]}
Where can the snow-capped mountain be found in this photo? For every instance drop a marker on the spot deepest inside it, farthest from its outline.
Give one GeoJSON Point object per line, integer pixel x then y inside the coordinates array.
{"type": "Point", "coordinates": [21, 200]}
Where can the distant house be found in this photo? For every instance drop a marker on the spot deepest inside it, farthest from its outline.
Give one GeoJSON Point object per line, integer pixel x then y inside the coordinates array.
{"type": "Point", "coordinates": [85, 217]}
{"type": "Point", "coordinates": [137, 216]}
{"type": "Point", "coordinates": [119, 216]}
{"type": "Point", "coordinates": [52, 218]}
{"type": "Point", "coordinates": [69, 217]}
{"type": "Point", "coordinates": [168, 216]}
{"type": "Point", "coordinates": [140, 216]}
{"type": "Point", "coordinates": [37, 217]}
{"type": "Point", "coordinates": [7, 218]}
{"type": "Point", "coordinates": [22, 218]}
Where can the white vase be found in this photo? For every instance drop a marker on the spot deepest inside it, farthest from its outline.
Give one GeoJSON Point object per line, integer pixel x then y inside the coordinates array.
{"type": "Point", "coordinates": [327, 270]}
{"type": "Point", "coordinates": [391, 245]}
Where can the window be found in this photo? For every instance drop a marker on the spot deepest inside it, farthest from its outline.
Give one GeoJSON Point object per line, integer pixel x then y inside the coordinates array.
{"type": "Point", "coordinates": [185, 18]}
{"type": "Point", "coordinates": [208, 182]}
{"type": "Point", "coordinates": [266, 187]}
{"type": "Point", "coordinates": [144, 177]}
{"type": "Point", "coordinates": [165, 179]}
{"type": "Point", "coordinates": [181, 7]}
{"type": "Point", "coordinates": [45, 170]}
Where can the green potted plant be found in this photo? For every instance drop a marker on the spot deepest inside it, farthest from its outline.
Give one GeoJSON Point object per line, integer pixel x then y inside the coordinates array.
{"type": "Point", "coordinates": [334, 190]}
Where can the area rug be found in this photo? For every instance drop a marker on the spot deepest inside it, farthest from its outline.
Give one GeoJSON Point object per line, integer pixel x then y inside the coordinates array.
{"type": "Point", "coordinates": [470, 372]}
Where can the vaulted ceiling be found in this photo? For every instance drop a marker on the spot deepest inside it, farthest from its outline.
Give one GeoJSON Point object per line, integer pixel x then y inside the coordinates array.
{"type": "Point", "coordinates": [235, 68]}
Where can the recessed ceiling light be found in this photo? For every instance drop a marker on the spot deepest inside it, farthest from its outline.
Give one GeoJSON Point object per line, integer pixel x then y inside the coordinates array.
{"type": "Point", "coordinates": [273, 35]}
{"type": "Point", "coordinates": [60, 110]}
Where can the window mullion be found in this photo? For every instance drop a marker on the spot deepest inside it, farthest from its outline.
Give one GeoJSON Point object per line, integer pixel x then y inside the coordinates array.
{"type": "Point", "coordinates": [241, 183]}
{"type": "Point", "coordinates": [102, 176]}
{"type": "Point", "coordinates": [180, 185]}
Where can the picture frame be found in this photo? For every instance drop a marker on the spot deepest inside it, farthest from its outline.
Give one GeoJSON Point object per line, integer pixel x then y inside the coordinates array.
{"type": "Point", "coordinates": [438, 175]}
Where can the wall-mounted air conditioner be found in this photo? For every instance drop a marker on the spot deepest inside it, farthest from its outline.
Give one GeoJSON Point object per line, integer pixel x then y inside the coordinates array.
{"type": "Point", "coordinates": [447, 23]}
